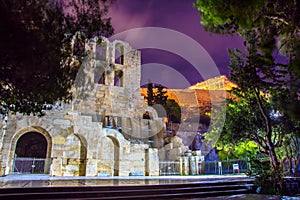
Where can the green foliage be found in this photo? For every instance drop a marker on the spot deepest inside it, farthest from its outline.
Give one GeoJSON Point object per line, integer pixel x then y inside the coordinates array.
{"type": "Point", "coordinates": [221, 16]}
{"type": "Point", "coordinates": [35, 50]}
{"type": "Point", "coordinates": [274, 26]}
{"type": "Point", "coordinates": [266, 179]}
{"type": "Point", "coordinates": [150, 94]}
{"type": "Point", "coordinates": [173, 111]}
{"type": "Point", "coordinates": [264, 108]}
{"type": "Point", "coordinates": [237, 150]}
{"type": "Point", "coordinates": [156, 95]}
{"type": "Point", "coordinates": [159, 96]}
{"type": "Point", "coordinates": [245, 121]}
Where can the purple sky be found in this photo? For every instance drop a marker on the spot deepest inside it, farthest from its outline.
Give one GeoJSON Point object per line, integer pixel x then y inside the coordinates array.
{"type": "Point", "coordinates": [178, 15]}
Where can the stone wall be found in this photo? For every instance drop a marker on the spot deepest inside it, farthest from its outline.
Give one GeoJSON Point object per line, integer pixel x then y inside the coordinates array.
{"type": "Point", "coordinates": [102, 131]}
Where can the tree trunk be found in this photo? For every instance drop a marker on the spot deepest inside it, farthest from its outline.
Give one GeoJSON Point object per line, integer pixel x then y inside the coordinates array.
{"type": "Point", "coordinates": [290, 166]}
{"type": "Point", "coordinates": [276, 169]}
{"type": "Point", "coordinates": [297, 162]}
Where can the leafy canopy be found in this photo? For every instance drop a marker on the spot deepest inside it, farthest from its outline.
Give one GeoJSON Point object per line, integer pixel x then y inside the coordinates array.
{"type": "Point", "coordinates": [36, 56]}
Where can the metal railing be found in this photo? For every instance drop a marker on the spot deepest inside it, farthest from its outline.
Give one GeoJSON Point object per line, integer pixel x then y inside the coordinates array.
{"type": "Point", "coordinates": [168, 168]}
{"type": "Point", "coordinates": [226, 167]}
{"type": "Point", "coordinates": [31, 165]}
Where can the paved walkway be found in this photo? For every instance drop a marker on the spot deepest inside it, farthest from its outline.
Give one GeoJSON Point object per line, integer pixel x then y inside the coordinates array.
{"type": "Point", "coordinates": [17, 180]}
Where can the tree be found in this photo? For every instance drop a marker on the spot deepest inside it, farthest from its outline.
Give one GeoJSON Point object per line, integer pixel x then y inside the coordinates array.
{"type": "Point", "coordinates": [270, 30]}
{"type": "Point", "coordinates": [238, 150]}
{"type": "Point", "coordinates": [150, 94]}
{"type": "Point", "coordinates": [261, 80]}
{"type": "Point", "coordinates": [173, 111]}
{"type": "Point", "coordinates": [271, 131]}
{"type": "Point", "coordinates": [36, 55]}
{"type": "Point", "coordinates": [276, 24]}
{"type": "Point", "coordinates": [160, 95]}
{"type": "Point", "coordinates": [156, 95]}
{"type": "Point", "coordinates": [280, 17]}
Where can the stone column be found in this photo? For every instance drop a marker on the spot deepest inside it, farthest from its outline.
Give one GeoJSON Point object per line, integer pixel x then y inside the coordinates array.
{"type": "Point", "coordinates": [193, 165]}
{"type": "Point", "coordinates": [185, 165]}
{"type": "Point", "coordinates": [152, 162]}
{"type": "Point", "coordinates": [91, 167]}
{"type": "Point", "coordinates": [201, 165]}
{"type": "Point", "coordinates": [2, 133]}
{"type": "Point", "coordinates": [56, 167]}
{"type": "Point", "coordinates": [197, 164]}
{"type": "Point", "coordinates": [180, 166]}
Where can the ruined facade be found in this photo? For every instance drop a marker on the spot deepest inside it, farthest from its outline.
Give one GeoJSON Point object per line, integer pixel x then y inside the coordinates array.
{"type": "Point", "coordinates": [196, 103]}
{"type": "Point", "coordinates": [102, 132]}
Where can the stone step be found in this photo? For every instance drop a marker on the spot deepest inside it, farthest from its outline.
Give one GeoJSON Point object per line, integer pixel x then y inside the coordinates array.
{"type": "Point", "coordinates": [127, 190]}
{"type": "Point", "coordinates": [164, 191]}
{"type": "Point", "coordinates": [212, 182]}
{"type": "Point", "coordinates": [176, 196]}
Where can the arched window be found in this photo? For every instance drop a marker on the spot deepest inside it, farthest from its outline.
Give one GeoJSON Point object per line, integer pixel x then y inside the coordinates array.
{"type": "Point", "coordinates": [102, 79]}
{"type": "Point", "coordinates": [78, 48]}
{"type": "Point", "coordinates": [119, 54]}
{"type": "Point", "coordinates": [118, 79]}
{"type": "Point", "coordinates": [30, 153]}
{"type": "Point", "coordinates": [101, 52]}
{"type": "Point", "coordinates": [146, 115]}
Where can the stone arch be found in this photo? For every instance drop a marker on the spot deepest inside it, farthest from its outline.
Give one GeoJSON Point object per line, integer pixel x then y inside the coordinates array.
{"type": "Point", "coordinates": [147, 115]}
{"type": "Point", "coordinates": [101, 50]}
{"type": "Point", "coordinates": [150, 111]}
{"type": "Point", "coordinates": [122, 142]}
{"type": "Point", "coordinates": [118, 78]}
{"type": "Point", "coordinates": [109, 156]}
{"type": "Point", "coordinates": [31, 129]}
{"type": "Point", "coordinates": [78, 45]}
{"type": "Point", "coordinates": [74, 155]}
{"type": "Point", "coordinates": [101, 76]}
{"type": "Point", "coordinates": [83, 155]}
{"type": "Point", "coordinates": [112, 146]}
{"type": "Point", "coordinates": [31, 145]}
{"type": "Point", "coordinates": [116, 155]}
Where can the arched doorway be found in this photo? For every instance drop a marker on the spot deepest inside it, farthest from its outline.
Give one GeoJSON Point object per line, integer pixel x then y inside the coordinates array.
{"type": "Point", "coordinates": [30, 153]}
{"type": "Point", "coordinates": [109, 156]}
{"type": "Point", "coordinates": [116, 155]}
{"type": "Point", "coordinates": [75, 153]}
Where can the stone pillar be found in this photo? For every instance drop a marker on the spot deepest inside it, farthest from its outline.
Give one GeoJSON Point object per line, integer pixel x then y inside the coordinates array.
{"type": "Point", "coordinates": [201, 165]}
{"type": "Point", "coordinates": [91, 167]}
{"type": "Point", "coordinates": [185, 165]}
{"type": "Point", "coordinates": [2, 165]}
{"type": "Point", "coordinates": [196, 160]}
{"type": "Point", "coordinates": [152, 162]}
{"type": "Point", "coordinates": [180, 166]}
{"type": "Point", "coordinates": [56, 167]}
{"type": "Point", "coordinates": [194, 165]}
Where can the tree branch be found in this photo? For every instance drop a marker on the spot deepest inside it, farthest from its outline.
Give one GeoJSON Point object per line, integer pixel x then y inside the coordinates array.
{"type": "Point", "coordinates": [277, 18]}
{"type": "Point", "coordinates": [263, 113]}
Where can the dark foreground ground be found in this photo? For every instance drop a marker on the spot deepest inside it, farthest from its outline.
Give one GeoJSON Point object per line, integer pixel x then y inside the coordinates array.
{"type": "Point", "coordinates": [20, 181]}
{"type": "Point", "coordinates": [252, 197]}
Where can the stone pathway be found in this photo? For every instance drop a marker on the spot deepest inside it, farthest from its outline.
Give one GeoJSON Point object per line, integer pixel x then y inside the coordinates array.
{"type": "Point", "coordinates": [17, 180]}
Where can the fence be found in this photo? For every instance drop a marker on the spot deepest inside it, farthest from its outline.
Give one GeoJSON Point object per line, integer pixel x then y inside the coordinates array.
{"type": "Point", "coordinates": [227, 167]}
{"type": "Point", "coordinates": [168, 168]}
{"type": "Point", "coordinates": [31, 165]}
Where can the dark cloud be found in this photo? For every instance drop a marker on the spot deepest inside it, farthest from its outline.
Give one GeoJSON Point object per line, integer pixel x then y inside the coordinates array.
{"type": "Point", "coordinates": [177, 15]}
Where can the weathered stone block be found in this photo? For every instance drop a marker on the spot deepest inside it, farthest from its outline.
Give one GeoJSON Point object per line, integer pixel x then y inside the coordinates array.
{"type": "Point", "coordinates": [75, 133]}
{"type": "Point", "coordinates": [175, 153]}
{"type": "Point", "coordinates": [168, 146]}
{"type": "Point", "coordinates": [176, 141]}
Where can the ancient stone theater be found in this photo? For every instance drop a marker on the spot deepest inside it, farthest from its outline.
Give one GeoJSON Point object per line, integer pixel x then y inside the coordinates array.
{"type": "Point", "coordinates": [100, 133]}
